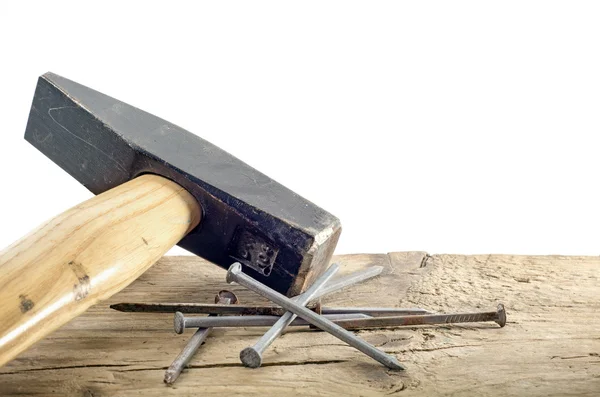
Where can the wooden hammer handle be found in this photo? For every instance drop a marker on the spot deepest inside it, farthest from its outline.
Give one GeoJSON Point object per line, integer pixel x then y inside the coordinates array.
{"type": "Point", "coordinates": [87, 254]}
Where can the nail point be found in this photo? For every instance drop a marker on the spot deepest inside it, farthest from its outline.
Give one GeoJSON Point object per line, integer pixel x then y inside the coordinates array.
{"type": "Point", "coordinates": [396, 364]}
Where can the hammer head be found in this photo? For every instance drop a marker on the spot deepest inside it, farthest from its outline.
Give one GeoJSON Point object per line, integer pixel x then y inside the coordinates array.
{"type": "Point", "coordinates": [282, 239]}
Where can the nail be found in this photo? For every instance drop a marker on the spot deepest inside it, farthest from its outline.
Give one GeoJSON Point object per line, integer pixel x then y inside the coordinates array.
{"type": "Point", "coordinates": [350, 320]}
{"type": "Point", "coordinates": [256, 321]}
{"type": "Point", "coordinates": [202, 308]}
{"type": "Point", "coordinates": [249, 310]}
{"type": "Point", "coordinates": [235, 274]}
{"type": "Point", "coordinates": [349, 280]}
{"type": "Point", "coordinates": [376, 311]}
{"type": "Point", "coordinates": [252, 356]}
{"type": "Point", "coordinates": [174, 370]}
{"type": "Point", "coordinates": [498, 316]}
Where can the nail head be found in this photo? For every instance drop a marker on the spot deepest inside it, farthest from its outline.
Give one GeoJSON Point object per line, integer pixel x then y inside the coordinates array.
{"type": "Point", "coordinates": [234, 270]}
{"type": "Point", "coordinates": [250, 358]}
{"type": "Point", "coordinates": [179, 323]}
{"type": "Point", "coordinates": [501, 321]}
{"type": "Point", "coordinates": [225, 295]}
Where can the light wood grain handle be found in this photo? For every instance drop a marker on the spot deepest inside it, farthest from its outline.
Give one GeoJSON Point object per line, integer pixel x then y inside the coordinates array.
{"type": "Point", "coordinates": [87, 254]}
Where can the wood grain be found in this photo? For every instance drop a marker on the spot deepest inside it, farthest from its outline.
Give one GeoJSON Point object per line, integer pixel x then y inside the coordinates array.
{"type": "Point", "coordinates": [550, 346]}
{"type": "Point", "coordinates": [87, 254]}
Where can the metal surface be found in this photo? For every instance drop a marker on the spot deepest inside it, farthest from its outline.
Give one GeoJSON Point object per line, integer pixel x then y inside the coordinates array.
{"type": "Point", "coordinates": [235, 274]}
{"type": "Point", "coordinates": [174, 370]}
{"type": "Point", "coordinates": [349, 321]}
{"type": "Point", "coordinates": [252, 355]}
{"type": "Point", "coordinates": [350, 279]}
{"type": "Point", "coordinates": [499, 317]}
{"type": "Point", "coordinates": [183, 322]}
{"type": "Point", "coordinates": [282, 239]}
{"type": "Point", "coordinates": [202, 308]}
{"type": "Point", "coordinates": [376, 311]}
{"type": "Point", "coordinates": [245, 310]}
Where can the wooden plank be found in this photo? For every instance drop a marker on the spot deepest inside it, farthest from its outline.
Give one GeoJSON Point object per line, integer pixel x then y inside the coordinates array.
{"type": "Point", "coordinates": [550, 345]}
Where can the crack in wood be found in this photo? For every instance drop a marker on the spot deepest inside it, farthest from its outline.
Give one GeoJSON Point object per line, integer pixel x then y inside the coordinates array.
{"type": "Point", "coordinates": [231, 365]}
{"type": "Point", "coordinates": [65, 367]}
{"type": "Point", "coordinates": [208, 366]}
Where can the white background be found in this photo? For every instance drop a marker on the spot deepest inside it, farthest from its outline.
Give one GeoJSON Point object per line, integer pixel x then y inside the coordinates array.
{"type": "Point", "coordinates": [449, 127]}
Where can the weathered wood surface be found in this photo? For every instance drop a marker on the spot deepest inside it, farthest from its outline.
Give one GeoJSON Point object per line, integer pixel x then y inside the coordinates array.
{"type": "Point", "coordinates": [550, 346]}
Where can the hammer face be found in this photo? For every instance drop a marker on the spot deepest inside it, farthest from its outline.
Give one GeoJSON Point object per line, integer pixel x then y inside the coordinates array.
{"type": "Point", "coordinates": [282, 239]}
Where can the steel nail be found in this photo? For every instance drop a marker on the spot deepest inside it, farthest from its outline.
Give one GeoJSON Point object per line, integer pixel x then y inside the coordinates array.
{"type": "Point", "coordinates": [376, 311]}
{"type": "Point", "coordinates": [257, 321]}
{"type": "Point", "coordinates": [247, 310]}
{"type": "Point", "coordinates": [349, 280]}
{"type": "Point", "coordinates": [353, 320]}
{"type": "Point", "coordinates": [202, 308]}
{"type": "Point", "coordinates": [235, 274]}
{"type": "Point", "coordinates": [174, 370]}
{"type": "Point", "coordinates": [498, 316]}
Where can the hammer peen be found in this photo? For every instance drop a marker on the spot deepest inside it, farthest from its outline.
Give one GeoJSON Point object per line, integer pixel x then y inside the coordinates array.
{"type": "Point", "coordinates": [157, 185]}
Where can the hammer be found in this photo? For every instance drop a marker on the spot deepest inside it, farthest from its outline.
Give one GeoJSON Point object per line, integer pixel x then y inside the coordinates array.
{"type": "Point", "coordinates": [157, 185]}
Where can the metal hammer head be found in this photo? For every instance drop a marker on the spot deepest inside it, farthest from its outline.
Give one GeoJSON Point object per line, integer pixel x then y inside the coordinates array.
{"type": "Point", "coordinates": [282, 239]}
